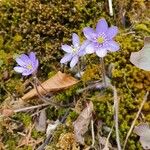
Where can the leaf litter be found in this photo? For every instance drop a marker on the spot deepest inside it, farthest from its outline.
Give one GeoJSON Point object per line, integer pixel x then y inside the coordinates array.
{"type": "Point", "coordinates": [82, 122]}
{"type": "Point", "coordinates": [141, 59]}
{"type": "Point", "coordinates": [143, 130]}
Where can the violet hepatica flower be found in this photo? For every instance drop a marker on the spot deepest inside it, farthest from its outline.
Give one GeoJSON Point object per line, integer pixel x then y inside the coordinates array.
{"type": "Point", "coordinates": [27, 64]}
{"type": "Point", "coordinates": [101, 40]}
{"type": "Point", "coordinates": [74, 51]}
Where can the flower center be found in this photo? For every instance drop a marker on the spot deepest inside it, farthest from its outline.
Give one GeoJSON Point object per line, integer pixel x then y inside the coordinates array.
{"type": "Point", "coordinates": [74, 49]}
{"type": "Point", "coordinates": [100, 40]}
{"type": "Point", "coordinates": [29, 67]}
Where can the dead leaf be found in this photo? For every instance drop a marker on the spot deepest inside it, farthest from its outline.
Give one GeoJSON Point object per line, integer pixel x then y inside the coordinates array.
{"type": "Point", "coordinates": [82, 123]}
{"type": "Point", "coordinates": [104, 142]}
{"type": "Point", "coordinates": [141, 59]}
{"type": "Point", "coordinates": [57, 82]}
{"type": "Point", "coordinates": [40, 124]}
{"type": "Point", "coordinates": [51, 127]}
{"type": "Point", "coordinates": [7, 112]}
{"type": "Point", "coordinates": [143, 130]}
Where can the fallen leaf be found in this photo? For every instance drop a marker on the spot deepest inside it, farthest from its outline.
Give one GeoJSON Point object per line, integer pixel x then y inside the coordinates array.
{"type": "Point", "coordinates": [104, 142]}
{"type": "Point", "coordinates": [51, 127]}
{"type": "Point", "coordinates": [7, 112]}
{"type": "Point", "coordinates": [143, 130]}
{"type": "Point", "coordinates": [40, 124]}
{"type": "Point", "coordinates": [82, 123]}
{"type": "Point", "coordinates": [141, 59]}
{"type": "Point", "coordinates": [57, 82]}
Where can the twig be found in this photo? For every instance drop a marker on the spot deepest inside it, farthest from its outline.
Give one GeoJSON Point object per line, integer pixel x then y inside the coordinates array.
{"type": "Point", "coordinates": [137, 115]}
{"type": "Point", "coordinates": [110, 7]}
{"type": "Point", "coordinates": [31, 107]}
{"type": "Point", "coordinates": [92, 131]}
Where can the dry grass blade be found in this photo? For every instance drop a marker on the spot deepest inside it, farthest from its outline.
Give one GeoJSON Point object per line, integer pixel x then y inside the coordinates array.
{"type": "Point", "coordinates": [57, 82]}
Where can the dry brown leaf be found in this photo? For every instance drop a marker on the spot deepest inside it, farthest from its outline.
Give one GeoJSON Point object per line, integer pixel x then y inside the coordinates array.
{"type": "Point", "coordinates": [40, 124]}
{"type": "Point", "coordinates": [57, 82]}
{"type": "Point", "coordinates": [82, 123]}
{"type": "Point", "coordinates": [7, 112]}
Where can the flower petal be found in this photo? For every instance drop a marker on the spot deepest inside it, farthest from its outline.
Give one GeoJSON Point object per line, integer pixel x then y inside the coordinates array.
{"type": "Point", "coordinates": [27, 72]}
{"type": "Point", "coordinates": [101, 52]}
{"type": "Point", "coordinates": [25, 59]}
{"type": "Point", "coordinates": [112, 31]}
{"type": "Point", "coordinates": [113, 46]}
{"type": "Point", "coordinates": [75, 40]}
{"type": "Point", "coordinates": [20, 62]}
{"type": "Point", "coordinates": [67, 48]}
{"type": "Point", "coordinates": [32, 56]}
{"type": "Point", "coordinates": [81, 53]}
{"type": "Point", "coordinates": [19, 69]}
{"type": "Point", "coordinates": [35, 65]}
{"type": "Point", "coordinates": [101, 26]}
{"type": "Point", "coordinates": [89, 33]}
{"type": "Point", "coordinates": [84, 44]}
{"type": "Point", "coordinates": [74, 61]}
{"type": "Point", "coordinates": [66, 58]}
{"type": "Point", "coordinates": [90, 48]}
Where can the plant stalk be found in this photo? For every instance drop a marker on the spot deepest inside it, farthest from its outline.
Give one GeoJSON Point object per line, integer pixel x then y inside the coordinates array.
{"type": "Point", "coordinates": [103, 71]}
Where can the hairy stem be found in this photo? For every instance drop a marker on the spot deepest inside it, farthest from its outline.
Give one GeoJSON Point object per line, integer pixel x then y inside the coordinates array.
{"type": "Point", "coordinates": [103, 71]}
{"type": "Point", "coordinates": [79, 69]}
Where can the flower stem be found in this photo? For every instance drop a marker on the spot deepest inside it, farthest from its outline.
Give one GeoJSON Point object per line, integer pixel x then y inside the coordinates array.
{"type": "Point", "coordinates": [46, 99]}
{"type": "Point", "coordinates": [103, 71]}
{"type": "Point", "coordinates": [79, 69]}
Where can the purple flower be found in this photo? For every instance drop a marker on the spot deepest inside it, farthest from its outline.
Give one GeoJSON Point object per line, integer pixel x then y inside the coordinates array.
{"type": "Point", "coordinates": [27, 64]}
{"type": "Point", "coordinates": [101, 39]}
{"type": "Point", "coordinates": [74, 51]}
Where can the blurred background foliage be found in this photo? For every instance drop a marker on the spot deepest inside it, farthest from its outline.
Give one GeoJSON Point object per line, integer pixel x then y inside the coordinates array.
{"type": "Point", "coordinates": [43, 25]}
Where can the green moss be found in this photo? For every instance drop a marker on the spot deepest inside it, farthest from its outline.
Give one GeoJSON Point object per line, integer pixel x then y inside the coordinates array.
{"type": "Point", "coordinates": [17, 38]}
{"type": "Point", "coordinates": [11, 144]}
{"type": "Point", "coordinates": [25, 148]}
{"type": "Point", "coordinates": [43, 26]}
{"type": "Point", "coordinates": [35, 134]}
{"type": "Point", "coordinates": [25, 118]}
